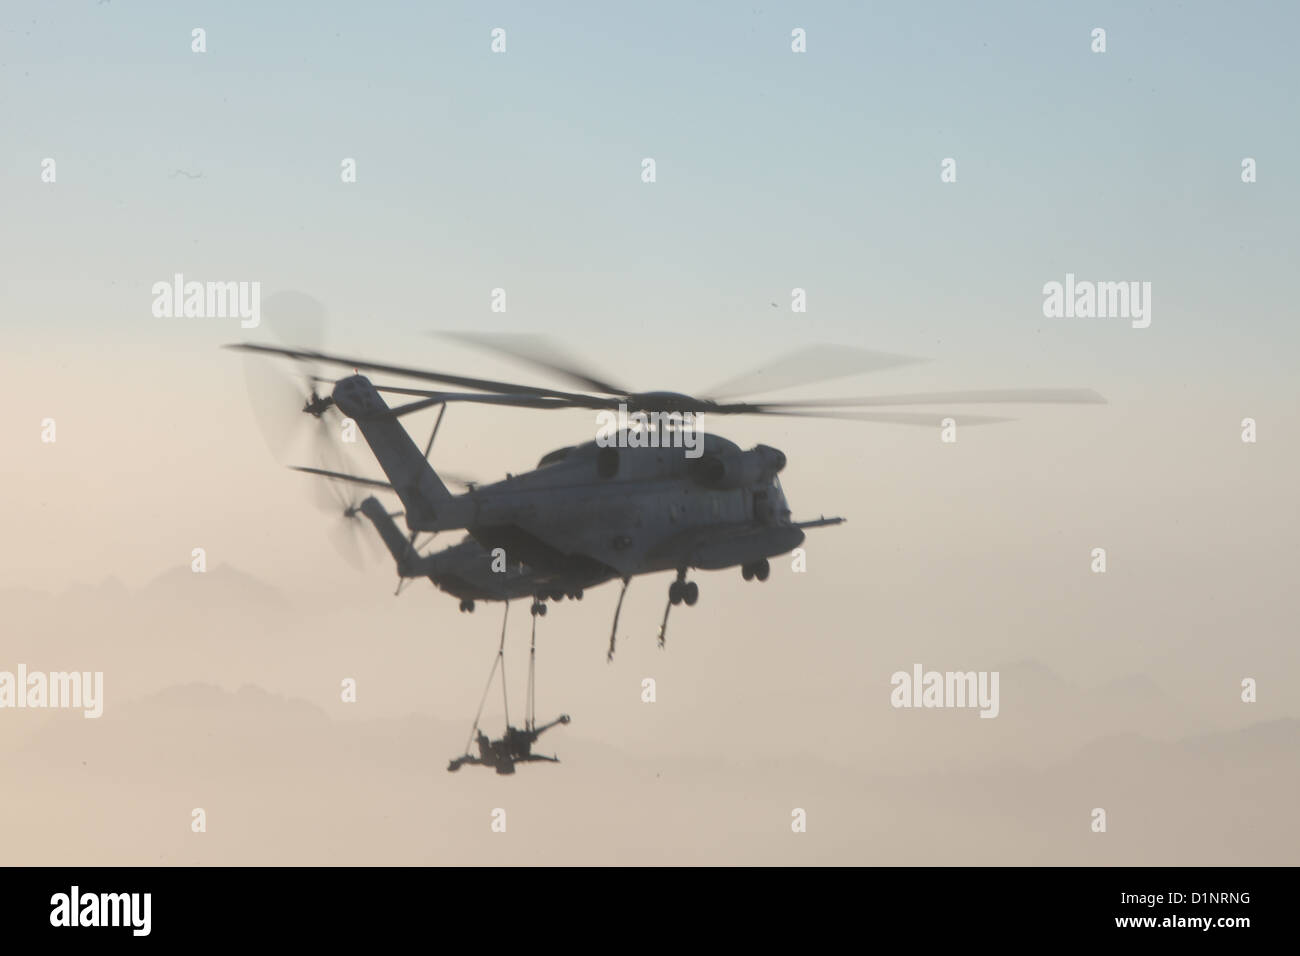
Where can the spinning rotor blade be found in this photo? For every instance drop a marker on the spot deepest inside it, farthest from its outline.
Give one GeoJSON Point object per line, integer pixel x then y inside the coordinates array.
{"type": "Point", "coordinates": [351, 534]}
{"type": "Point", "coordinates": [298, 321]}
{"type": "Point", "coordinates": [330, 496]}
{"type": "Point", "coordinates": [802, 366]}
{"type": "Point", "coordinates": [354, 539]}
{"type": "Point", "coordinates": [1002, 396]}
{"type": "Point", "coordinates": [539, 352]}
{"type": "Point", "coordinates": [481, 384]}
{"type": "Point", "coordinates": [816, 363]}
{"type": "Point", "coordinates": [482, 398]}
{"type": "Point", "coordinates": [796, 409]}
{"type": "Point", "coordinates": [893, 418]}
{"type": "Point", "coordinates": [514, 401]}
{"type": "Point", "coordinates": [278, 400]}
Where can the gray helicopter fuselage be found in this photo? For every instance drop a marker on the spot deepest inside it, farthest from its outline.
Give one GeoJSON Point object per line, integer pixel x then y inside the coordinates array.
{"type": "Point", "coordinates": [639, 510]}
{"type": "Point", "coordinates": [630, 504]}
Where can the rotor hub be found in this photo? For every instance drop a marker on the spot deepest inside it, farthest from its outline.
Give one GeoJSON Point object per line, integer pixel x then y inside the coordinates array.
{"type": "Point", "coordinates": [667, 402]}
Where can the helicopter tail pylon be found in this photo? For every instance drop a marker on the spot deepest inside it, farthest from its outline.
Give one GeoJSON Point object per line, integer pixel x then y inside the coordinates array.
{"type": "Point", "coordinates": [398, 544]}
{"type": "Point", "coordinates": [429, 505]}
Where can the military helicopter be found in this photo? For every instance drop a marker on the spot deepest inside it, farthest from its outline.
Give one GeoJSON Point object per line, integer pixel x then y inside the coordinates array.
{"type": "Point", "coordinates": [638, 502]}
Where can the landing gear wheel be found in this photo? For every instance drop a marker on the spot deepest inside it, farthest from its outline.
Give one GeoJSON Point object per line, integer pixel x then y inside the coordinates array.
{"type": "Point", "coordinates": [747, 572]}
{"type": "Point", "coordinates": [675, 595]}
{"type": "Point", "coordinates": [762, 570]}
{"type": "Point", "coordinates": [692, 594]}
{"type": "Point", "coordinates": [538, 608]}
{"type": "Point", "coordinates": [466, 605]}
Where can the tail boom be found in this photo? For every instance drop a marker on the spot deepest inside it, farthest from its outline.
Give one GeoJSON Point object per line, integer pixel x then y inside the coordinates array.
{"type": "Point", "coordinates": [429, 505]}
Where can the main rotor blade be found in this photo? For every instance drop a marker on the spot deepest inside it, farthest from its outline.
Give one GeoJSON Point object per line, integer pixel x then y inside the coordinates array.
{"type": "Point", "coordinates": [1001, 396]}
{"type": "Point", "coordinates": [524, 401]}
{"type": "Point", "coordinates": [816, 363]}
{"type": "Point", "coordinates": [463, 381]}
{"type": "Point", "coordinates": [539, 352]}
{"type": "Point", "coordinates": [931, 419]}
{"type": "Point", "coordinates": [486, 398]}
{"type": "Point", "coordinates": [515, 401]}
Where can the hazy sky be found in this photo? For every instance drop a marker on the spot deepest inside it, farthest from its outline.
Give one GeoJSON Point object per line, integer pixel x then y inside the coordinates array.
{"type": "Point", "coordinates": [775, 170]}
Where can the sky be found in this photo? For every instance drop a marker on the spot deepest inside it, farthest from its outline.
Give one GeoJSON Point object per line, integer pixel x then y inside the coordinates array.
{"type": "Point", "coordinates": [774, 171]}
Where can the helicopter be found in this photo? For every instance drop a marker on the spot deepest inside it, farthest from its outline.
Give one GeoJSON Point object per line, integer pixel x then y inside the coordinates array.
{"type": "Point", "coordinates": [625, 506]}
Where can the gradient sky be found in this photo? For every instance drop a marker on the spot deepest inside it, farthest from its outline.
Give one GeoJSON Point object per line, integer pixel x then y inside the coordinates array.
{"type": "Point", "coordinates": [775, 170]}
